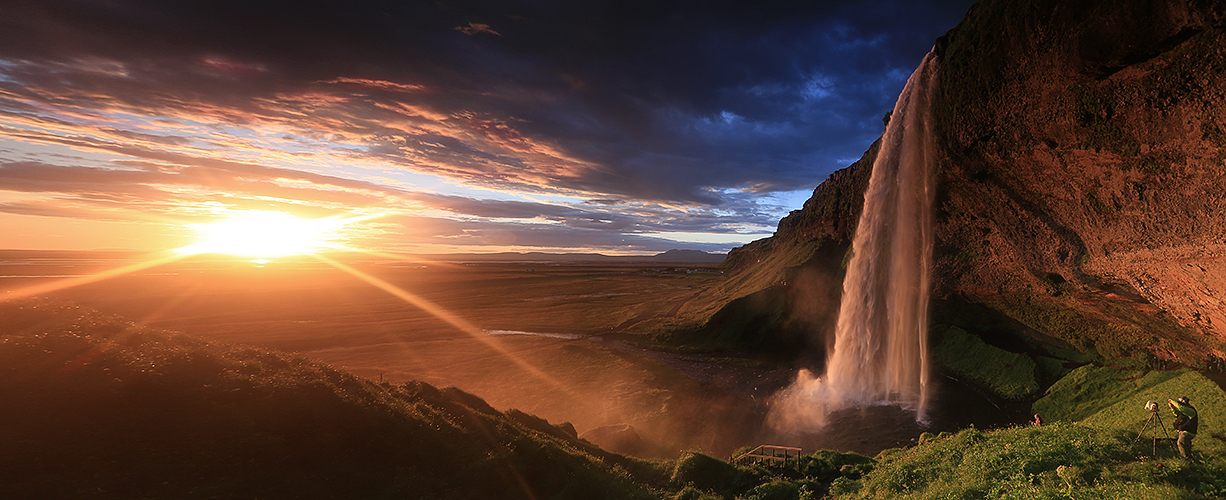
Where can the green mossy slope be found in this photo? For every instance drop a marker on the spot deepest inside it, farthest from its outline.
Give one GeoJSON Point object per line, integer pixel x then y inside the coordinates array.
{"type": "Point", "coordinates": [1109, 398]}
{"type": "Point", "coordinates": [1088, 449]}
{"type": "Point", "coordinates": [1008, 374]}
{"type": "Point", "coordinates": [1061, 460]}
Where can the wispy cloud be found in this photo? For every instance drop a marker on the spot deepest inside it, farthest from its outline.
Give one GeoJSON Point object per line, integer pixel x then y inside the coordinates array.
{"type": "Point", "coordinates": [542, 125]}
{"type": "Point", "coordinates": [474, 28]}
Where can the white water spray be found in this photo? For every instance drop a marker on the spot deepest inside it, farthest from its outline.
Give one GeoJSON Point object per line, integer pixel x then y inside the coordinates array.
{"type": "Point", "coordinates": [880, 353]}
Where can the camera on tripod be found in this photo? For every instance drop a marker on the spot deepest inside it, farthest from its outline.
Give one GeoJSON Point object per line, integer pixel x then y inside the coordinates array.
{"type": "Point", "coordinates": [1152, 423]}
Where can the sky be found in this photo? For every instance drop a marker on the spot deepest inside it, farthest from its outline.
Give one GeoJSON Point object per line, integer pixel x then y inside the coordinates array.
{"type": "Point", "coordinates": [618, 127]}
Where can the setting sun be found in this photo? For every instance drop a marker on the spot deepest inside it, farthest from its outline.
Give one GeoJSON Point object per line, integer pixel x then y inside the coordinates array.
{"type": "Point", "coordinates": [266, 234]}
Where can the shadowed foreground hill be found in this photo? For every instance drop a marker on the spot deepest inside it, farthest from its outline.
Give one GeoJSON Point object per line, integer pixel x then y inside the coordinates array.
{"type": "Point", "coordinates": [96, 407]}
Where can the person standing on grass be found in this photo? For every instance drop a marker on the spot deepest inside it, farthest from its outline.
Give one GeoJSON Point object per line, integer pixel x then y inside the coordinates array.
{"type": "Point", "coordinates": [1185, 423]}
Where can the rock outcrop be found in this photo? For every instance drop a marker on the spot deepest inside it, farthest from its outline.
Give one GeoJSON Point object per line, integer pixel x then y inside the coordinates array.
{"type": "Point", "coordinates": [1082, 180]}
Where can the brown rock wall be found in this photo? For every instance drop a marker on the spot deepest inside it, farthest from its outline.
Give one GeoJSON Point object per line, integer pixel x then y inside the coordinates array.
{"type": "Point", "coordinates": [1083, 150]}
{"type": "Point", "coordinates": [1099, 139]}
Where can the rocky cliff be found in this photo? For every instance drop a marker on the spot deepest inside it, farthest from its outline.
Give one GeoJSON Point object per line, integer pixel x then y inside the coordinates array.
{"type": "Point", "coordinates": [1081, 174]}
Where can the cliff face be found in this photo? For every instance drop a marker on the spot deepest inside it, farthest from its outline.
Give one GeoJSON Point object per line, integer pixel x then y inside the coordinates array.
{"type": "Point", "coordinates": [1081, 176]}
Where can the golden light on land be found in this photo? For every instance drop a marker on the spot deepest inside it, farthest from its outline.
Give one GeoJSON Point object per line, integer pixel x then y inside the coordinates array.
{"type": "Point", "coordinates": [40, 289]}
{"type": "Point", "coordinates": [459, 323]}
{"type": "Point", "coordinates": [262, 234]}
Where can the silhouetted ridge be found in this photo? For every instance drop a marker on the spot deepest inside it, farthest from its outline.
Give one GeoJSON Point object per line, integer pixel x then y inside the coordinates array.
{"type": "Point", "coordinates": [97, 407]}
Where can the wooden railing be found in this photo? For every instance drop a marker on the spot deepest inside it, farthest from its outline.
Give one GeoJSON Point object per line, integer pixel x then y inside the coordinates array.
{"type": "Point", "coordinates": [761, 452]}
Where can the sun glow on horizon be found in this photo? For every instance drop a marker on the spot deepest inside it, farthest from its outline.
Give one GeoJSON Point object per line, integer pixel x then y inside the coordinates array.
{"type": "Point", "coordinates": [261, 234]}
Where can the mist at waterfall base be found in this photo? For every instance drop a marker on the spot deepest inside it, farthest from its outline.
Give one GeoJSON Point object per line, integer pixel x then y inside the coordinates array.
{"type": "Point", "coordinates": [878, 362]}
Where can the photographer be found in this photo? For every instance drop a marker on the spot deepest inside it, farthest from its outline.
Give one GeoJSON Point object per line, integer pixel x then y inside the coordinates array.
{"type": "Point", "coordinates": [1185, 423]}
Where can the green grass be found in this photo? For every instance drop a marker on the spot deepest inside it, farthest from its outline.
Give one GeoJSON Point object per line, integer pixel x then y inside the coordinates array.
{"type": "Point", "coordinates": [1109, 398]}
{"type": "Point", "coordinates": [701, 477]}
{"type": "Point", "coordinates": [1013, 463]}
{"type": "Point", "coordinates": [704, 473]}
{"type": "Point", "coordinates": [1050, 368]}
{"type": "Point", "coordinates": [1060, 460]}
{"type": "Point", "coordinates": [783, 489]}
{"type": "Point", "coordinates": [1008, 374]}
{"type": "Point", "coordinates": [1088, 449]}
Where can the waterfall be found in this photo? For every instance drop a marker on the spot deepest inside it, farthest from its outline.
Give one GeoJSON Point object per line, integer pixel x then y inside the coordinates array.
{"type": "Point", "coordinates": [880, 349]}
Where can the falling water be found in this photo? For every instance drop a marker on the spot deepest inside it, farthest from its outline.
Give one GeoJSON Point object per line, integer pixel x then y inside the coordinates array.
{"type": "Point", "coordinates": [880, 348]}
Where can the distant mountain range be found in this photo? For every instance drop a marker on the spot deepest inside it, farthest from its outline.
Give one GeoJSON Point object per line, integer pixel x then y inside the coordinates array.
{"type": "Point", "coordinates": [672, 257]}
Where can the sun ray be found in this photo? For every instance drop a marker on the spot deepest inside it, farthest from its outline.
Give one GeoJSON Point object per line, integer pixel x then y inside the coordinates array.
{"type": "Point", "coordinates": [437, 311]}
{"type": "Point", "coordinates": [451, 319]}
{"type": "Point", "coordinates": [53, 286]}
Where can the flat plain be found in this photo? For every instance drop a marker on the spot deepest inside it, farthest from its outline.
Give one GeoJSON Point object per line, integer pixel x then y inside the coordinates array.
{"type": "Point", "coordinates": [535, 336]}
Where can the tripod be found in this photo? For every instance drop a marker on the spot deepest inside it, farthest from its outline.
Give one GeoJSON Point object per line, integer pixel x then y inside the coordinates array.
{"type": "Point", "coordinates": [1157, 422]}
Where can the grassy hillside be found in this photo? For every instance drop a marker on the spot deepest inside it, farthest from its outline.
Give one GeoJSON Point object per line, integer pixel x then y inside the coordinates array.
{"type": "Point", "coordinates": [1109, 398]}
{"type": "Point", "coordinates": [1089, 448]}
{"type": "Point", "coordinates": [1061, 460]}
{"type": "Point", "coordinates": [96, 407]}
{"type": "Point", "coordinates": [1008, 374]}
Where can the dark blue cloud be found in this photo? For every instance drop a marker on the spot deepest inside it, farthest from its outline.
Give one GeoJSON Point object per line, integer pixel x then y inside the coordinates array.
{"type": "Point", "coordinates": [673, 116]}
{"type": "Point", "coordinates": [671, 97]}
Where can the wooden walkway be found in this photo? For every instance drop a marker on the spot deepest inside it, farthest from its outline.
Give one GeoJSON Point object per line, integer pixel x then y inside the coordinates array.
{"type": "Point", "coordinates": [771, 452]}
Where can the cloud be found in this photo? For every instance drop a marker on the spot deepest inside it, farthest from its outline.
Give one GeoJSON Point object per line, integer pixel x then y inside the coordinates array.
{"type": "Point", "coordinates": [645, 71]}
{"type": "Point", "coordinates": [180, 167]}
{"type": "Point", "coordinates": [161, 189]}
{"type": "Point", "coordinates": [514, 236]}
{"type": "Point", "coordinates": [474, 28]}
{"type": "Point", "coordinates": [180, 194]}
{"type": "Point", "coordinates": [689, 115]}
